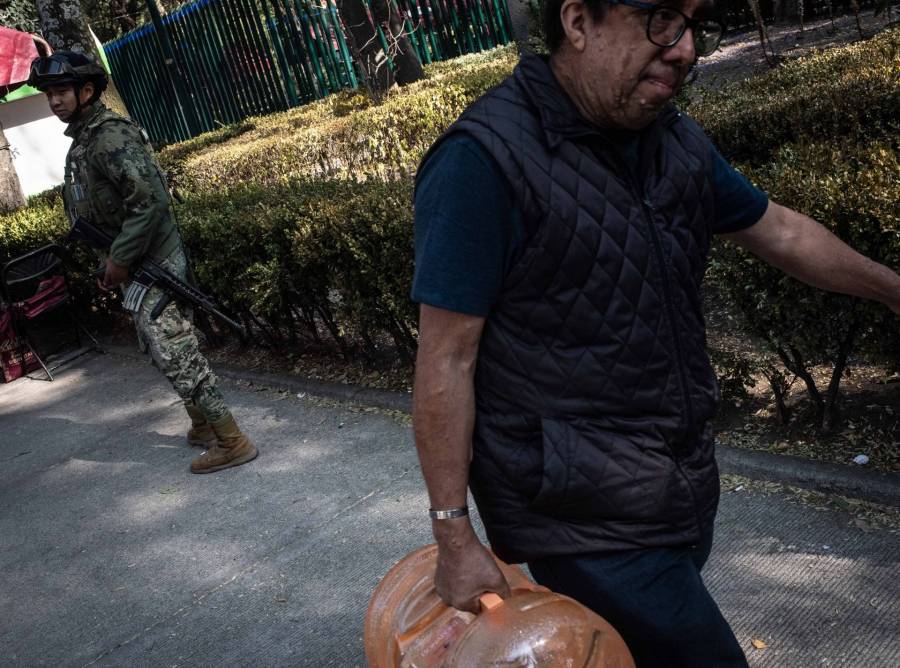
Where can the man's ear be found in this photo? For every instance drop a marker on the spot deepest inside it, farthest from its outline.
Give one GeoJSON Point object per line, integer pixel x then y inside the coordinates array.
{"type": "Point", "coordinates": [87, 92]}
{"type": "Point", "coordinates": [573, 16]}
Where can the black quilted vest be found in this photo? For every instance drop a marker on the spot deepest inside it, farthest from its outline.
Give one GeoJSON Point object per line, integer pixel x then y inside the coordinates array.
{"type": "Point", "coordinates": [593, 387]}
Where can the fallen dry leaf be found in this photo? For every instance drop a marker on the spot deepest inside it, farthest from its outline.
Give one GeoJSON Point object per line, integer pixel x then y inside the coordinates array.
{"type": "Point", "coordinates": [862, 525]}
{"type": "Point", "coordinates": [758, 643]}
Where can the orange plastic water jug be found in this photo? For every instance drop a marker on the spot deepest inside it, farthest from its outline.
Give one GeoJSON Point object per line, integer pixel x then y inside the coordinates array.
{"type": "Point", "coordinates": [408, 626]}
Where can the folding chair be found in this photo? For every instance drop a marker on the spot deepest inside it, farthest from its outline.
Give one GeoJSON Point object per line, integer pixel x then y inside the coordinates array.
{"type": "Point", "coordinates": [15, 358]}
{"type": "Point", "coordinates": [35, 286]}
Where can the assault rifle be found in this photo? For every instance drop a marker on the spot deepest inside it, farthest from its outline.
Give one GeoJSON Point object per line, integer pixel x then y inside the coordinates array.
{"type": "Point", "coordinates": [152, 273]}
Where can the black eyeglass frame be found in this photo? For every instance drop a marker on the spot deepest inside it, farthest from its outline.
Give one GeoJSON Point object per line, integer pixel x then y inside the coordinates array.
{"type": "Point", "coordinates": [689, 22]}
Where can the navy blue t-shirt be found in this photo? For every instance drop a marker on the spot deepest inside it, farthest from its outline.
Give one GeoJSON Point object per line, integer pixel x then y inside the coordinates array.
{"type": "Point", "coordinates": [468, 230]}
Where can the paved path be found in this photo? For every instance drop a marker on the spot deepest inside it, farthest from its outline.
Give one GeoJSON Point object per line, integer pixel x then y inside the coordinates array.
{"type": "Point", "coordinates": [741, 55]}
{"type": "Point", "coordinates": [112, 554]}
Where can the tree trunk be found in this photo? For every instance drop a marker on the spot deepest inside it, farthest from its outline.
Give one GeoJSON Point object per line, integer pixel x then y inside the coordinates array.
{"type": "Point", "coordinates": [366, 48]}
{"type": "Point", "coordinates": [125, 15]}
{"type": "Point", "coordinates": [63, 25]}
{"type": "Point", "coordinates": [855, 5]}
{"type": "Point", "coordinates": [832, 412]}
{"type": "Point", "coordinates": [763, 34]}
{"type": "Point", "coordinates": [794, 362]}
{"type": "Point", "coordinates": [11, 196]}
{"type": "Point", "coordinates": [780, 386]}
{"type": "Point", "coordinates": [519, 19]}
{"type": "Point", "coordinates": [407, 67]}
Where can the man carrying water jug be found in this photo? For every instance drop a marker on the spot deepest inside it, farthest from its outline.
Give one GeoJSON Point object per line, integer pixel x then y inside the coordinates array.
{"type": "Point", "coordinates": [562, 227]}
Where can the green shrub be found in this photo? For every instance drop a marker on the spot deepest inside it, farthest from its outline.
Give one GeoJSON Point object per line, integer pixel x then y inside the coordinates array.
{"type": "Point", "coordinates": [304, 218]}
{"type": "Point", "coordinates": [41, 222]}
{"type": "Point", "coordinates": [302, 221]}
{"type": "Point", "coordinates": [848, 92]}
{"type": "Point", "coordinates": [305, 252]}
{"type": "Point", "coordinates": [735, 371]}
{"type": "Point", "coordinates": [819, 135]}
{"type": "Point", "coordinates": [343, 136]}
{"type": "Point", "coordinates": [852, 190]}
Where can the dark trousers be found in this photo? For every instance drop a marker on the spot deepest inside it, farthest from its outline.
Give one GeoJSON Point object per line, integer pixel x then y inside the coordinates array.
{"type": "Point", "coordinates": [655, 599]}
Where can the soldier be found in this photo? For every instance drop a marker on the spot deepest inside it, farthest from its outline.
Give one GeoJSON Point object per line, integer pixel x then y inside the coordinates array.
{"type": "Point", "coordinates": [112, 178]}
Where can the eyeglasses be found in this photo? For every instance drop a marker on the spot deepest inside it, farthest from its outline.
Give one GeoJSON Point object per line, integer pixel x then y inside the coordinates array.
{"type": "Point", "coordinates": [665, 26]}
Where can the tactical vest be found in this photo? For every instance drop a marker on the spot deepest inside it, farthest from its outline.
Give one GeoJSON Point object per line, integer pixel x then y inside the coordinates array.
{"type": "Point", "coordinates": [593, 386]}
{"type": "Point", "coordinates": [87, 193]}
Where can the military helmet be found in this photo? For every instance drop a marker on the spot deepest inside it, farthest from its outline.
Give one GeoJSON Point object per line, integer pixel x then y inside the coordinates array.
{"type": "Point", "coordinates": [67, 67]}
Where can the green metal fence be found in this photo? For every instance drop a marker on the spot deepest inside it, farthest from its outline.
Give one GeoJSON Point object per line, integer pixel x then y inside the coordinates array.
{"type": "Point", "coordinates": [213, 62]}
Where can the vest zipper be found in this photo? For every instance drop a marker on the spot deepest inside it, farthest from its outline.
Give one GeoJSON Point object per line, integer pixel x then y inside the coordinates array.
{"type": "Point", "coordinates": [646, 208]}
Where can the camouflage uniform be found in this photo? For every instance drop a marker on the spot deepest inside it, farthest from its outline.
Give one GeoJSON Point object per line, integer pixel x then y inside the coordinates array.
{"type": "Point", "coordinates": [113, 179]}
{"type": "Point", "coordinates": [173, 346]}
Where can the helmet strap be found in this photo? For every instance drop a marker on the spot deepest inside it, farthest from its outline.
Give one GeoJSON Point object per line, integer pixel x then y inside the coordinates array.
{"type": "Point", "coordinates": [80, 106]}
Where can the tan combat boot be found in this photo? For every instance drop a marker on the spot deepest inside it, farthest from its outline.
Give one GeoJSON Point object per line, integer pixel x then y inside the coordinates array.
{"type": "Point", "coordinates": [232, 449]}
{"type": "Point", "coordinates": [201, 433]}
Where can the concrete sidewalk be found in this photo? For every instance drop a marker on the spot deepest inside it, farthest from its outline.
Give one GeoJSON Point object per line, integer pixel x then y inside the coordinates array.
{"type": "Point", "coordinates": [114, 555]}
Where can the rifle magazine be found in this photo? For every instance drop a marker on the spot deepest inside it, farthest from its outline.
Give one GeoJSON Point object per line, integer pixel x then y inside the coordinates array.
{"type": "Point", "coordinates": [134, 294]}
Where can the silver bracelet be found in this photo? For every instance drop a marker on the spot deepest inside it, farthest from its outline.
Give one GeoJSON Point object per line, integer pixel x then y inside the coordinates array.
{"type": "Point", "coordinates": [449, 514]}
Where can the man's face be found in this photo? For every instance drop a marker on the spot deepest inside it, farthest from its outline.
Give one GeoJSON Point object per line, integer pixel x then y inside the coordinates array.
{"type": "Point", "coordinates": [63, 102]}
{"type": "Point", "coordinates": [624, 80]}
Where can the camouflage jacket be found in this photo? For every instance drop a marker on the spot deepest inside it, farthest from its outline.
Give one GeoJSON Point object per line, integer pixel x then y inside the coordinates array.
{"type": "Point", "coordinates": [113, 178]}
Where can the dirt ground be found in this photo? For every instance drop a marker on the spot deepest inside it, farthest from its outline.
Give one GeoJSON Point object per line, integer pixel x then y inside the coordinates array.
{"type": "Point", "coordinates": [740, 56]}
{"type": "Point", "coordinates": [869, 421]}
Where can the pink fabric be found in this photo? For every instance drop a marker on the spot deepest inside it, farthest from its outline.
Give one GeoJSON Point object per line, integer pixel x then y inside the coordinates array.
{"type": "Point", "coordinates": [49, 293]}
{"type": "Point", "coordinates": [17, 50]}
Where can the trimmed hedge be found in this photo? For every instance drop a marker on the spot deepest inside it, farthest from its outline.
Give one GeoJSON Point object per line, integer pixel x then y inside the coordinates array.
{"type": "Point", "coordinates": [41, 222]}
{"type": "Point", "coordinates": [303, 254]}
{"type": "Point", "coordinates": [302, 221]}
{"type": "Point", "coordinates": [853, 191]}
{"type": "Point", "coordinates": [315, 204]}
{"type": "Point", "coordinates": [343, 136]}
{"type": "Point", "coordinates": [822, 136]}
{"type": "Point", "coordinates": [849, 92]}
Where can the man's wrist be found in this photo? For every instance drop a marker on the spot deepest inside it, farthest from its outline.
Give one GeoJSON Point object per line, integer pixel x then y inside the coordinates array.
{"type": "Point", "coordinates": [448, 513]}
{"type": "Point", "coordinates": [453, 534]}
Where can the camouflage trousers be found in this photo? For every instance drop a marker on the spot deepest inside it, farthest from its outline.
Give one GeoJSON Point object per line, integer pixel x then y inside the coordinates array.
{"type": "Point", "coordinates": [173, 346]}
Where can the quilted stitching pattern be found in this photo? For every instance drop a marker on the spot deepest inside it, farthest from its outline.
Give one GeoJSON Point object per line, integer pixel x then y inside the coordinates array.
{"type": "Point", "coordinates": [595, 335]}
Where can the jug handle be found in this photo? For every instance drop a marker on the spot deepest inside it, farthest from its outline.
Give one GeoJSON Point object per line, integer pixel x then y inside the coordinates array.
{"type": "Point", "coordinates": [489, 601]}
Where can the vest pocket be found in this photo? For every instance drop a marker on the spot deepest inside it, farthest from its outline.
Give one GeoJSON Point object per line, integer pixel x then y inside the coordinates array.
{"type": "Point", "coordinates": [593, 472]}
{"type": "Point", "coordinates": [507, 457]}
